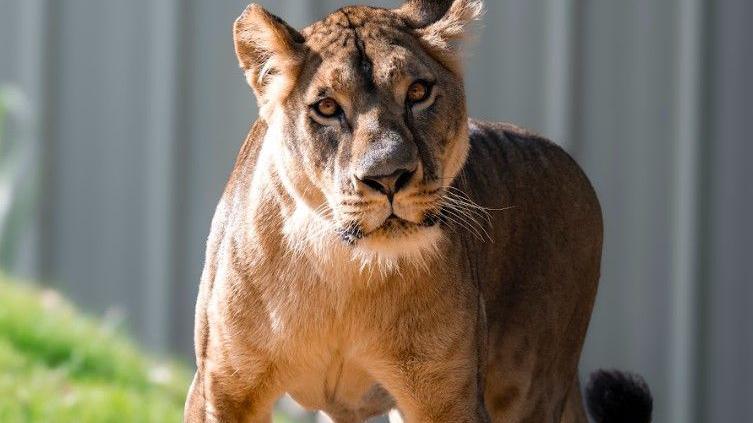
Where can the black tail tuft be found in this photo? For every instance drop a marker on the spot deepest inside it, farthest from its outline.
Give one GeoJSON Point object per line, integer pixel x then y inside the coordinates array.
{"type": "Point", "coordinates": [616, 397]}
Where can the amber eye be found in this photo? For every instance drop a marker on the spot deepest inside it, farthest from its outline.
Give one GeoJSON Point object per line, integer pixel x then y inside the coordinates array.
{"type": "Point", "coordinates": [418, 92]}
{"type": "Point", "coordinates": [327, 107]}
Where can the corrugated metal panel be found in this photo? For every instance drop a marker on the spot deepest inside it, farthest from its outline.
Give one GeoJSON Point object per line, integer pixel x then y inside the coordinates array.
{"type": "Point", "coordinates": [626, 135]}
{"type": "Point", "coordinates": [99, 118]}
{"type": "Point", "coordinates": [23, 32]}
{"type": "Point", "coordinates": [727, 387]}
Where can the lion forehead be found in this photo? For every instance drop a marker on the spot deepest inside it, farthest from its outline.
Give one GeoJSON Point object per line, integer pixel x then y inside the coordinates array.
{"type": "Point", "coordinates": [347, 57]}
{"type": "Point", "coordinates": [350, 30]}
{"type": "Point", "coordinates": [354, 17]}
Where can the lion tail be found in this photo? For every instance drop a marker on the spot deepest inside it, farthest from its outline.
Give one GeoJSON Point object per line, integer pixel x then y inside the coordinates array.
{"type": "Point", "coordinates": [618, 397]}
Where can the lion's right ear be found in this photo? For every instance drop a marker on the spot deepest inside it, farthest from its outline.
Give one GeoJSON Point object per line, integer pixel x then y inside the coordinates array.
{"type": "Point", "coordinates": [269, 51]}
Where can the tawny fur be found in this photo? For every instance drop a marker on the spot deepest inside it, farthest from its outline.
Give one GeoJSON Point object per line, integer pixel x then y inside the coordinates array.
{"type": "Point", "coordinates": [471, 305]}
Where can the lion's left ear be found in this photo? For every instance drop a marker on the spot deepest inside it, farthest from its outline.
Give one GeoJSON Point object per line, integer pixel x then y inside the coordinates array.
{"type": "Point", "coordinates": [441, 23]}
{"type": "Point", "coordinates": [269, 51]}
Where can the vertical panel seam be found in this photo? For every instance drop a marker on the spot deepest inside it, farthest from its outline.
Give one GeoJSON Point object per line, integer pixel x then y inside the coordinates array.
{"type": "Point", "coordinates": [685, 279]}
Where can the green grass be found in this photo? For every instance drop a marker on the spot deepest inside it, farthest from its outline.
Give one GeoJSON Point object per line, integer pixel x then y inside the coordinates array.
{"type": "Point", "coordinates": [59, 366]}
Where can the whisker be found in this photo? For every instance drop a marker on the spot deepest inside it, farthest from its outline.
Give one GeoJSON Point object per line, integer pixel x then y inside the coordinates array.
{"type": "Point", "coordinates": [420, 193]}
{"type": "Point", "coordinates": [356, 211]}
{"type": "Point", "coordinates": [461, 194]}
{"type": "Point", "coordinates": [450, 221]}
{"type": "Point", "coordinates": [457, 217]}
{"type": "Point", "coordinates": [469, 211]}
{"type": "Point", "coordinates": [455, 225]}
{"type": "Point", "coordinates": [474, 223]}
{"type": "Point", "coordinates": [479, 212]}
{"type": "Point", "coordinates": [466, 209]}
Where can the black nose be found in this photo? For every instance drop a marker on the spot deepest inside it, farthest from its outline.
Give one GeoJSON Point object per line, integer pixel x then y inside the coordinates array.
{"type": "Point", "coordinates": [388, 184]}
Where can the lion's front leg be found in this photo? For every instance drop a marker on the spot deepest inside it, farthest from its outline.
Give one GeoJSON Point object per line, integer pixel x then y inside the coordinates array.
{"type": "Point", "coordinates": [219, 394]}
{"type": "Point", "coordinates": [434, 375]}
{"type": "Point", "coordinates": [438, 391]}
{"type": "Point", "coordinates": [235, 381]}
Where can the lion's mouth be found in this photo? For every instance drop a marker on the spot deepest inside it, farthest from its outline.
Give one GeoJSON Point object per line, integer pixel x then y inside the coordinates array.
{"type": "Point", "coordinates": [393, 217]}
{"type": "Point", "coordinates": [395, 222]}
{"type": "Point", "coordinates": [393, 225]}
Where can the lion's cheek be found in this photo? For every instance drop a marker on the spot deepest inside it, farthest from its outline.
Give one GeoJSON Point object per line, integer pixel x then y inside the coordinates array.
{"type": "Point", "coordinates": [454, 156]}
{"type": "Point", "coordinates": [299, 183]}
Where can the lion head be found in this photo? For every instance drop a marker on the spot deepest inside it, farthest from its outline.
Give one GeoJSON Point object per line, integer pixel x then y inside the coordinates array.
{"type": "Point", "coordinates": [366, 114]}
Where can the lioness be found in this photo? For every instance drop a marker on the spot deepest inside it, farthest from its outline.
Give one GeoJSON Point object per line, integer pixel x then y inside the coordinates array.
{"type": "Point", "coordinates": [375, 249]}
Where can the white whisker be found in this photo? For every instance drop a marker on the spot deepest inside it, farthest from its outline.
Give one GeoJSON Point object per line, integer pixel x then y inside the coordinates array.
{"type": "Point", "coordinates": [470, 222]}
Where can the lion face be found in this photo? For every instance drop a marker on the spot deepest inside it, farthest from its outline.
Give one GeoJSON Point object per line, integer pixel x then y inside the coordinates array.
{"type": "Point", "coordinates": [367, 112]}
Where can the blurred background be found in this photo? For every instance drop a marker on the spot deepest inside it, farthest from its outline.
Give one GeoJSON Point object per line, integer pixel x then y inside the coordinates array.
{"type": "Point", "coordinates": [120, 121]}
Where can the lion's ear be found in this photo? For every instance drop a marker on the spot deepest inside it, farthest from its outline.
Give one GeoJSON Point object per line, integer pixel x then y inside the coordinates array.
{"type": "Point", "coordinates": [452, 26]}
{"type": "Point", "coordinates": [441, 24]}
{"type": "Point", "coordinates": [269, 51]}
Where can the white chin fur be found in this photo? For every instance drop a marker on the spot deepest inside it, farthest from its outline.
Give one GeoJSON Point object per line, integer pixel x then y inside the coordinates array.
{"type": "Point", "coordinates": [376, 253]}
{"type": "Point", "coordinates": [395, 251]}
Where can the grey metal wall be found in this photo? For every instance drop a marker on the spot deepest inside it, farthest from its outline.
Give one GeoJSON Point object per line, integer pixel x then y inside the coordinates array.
{"type": "Point", "coordinates": [141, 109]}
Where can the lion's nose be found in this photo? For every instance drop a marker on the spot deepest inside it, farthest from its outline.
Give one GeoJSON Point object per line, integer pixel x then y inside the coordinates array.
{"type": "Point", "coordinates": [388, 162]}
{"type": "Point", "coordinates": [390, 184]}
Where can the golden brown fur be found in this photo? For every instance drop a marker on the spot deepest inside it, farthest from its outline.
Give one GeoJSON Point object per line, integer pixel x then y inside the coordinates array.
{"type": "Point", "coordinates": [398, 255]}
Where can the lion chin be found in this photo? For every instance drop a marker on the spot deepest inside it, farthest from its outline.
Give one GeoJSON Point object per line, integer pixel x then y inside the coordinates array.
{"type": "Point", "coordinates": [397, 242]}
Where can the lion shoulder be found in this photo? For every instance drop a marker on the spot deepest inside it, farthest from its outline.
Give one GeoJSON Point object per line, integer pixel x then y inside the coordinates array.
{"type": "Point", "coordinates": [511, 166]}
